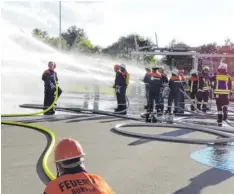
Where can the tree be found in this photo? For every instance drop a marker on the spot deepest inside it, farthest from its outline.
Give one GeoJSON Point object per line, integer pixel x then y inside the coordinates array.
{"type": "Point", "coordinates": [122, 48]}
{"type": "Point", "coordinates": [97, 49]}
{"type": "Point", "coordinates": [228, 42]}
{"type": "Point", "coordinates": [172, 42]}
{"type": "Point", "coordinates": [208, 48]}
{"type": "Point", "coordinates": [38, 33]}
{"type": "Point", "coordinates": [126, 45]}
{"type": "Point", "coordinates": [84, 45]}
{"type": "Point", "coordinates": [54, 41]}
{"type": "Point", "coordinates": [74, 35]}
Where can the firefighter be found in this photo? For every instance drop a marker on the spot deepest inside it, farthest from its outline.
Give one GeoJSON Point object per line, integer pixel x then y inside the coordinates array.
{"type": "Point", "coordinates": [165, 82]}
{"type": "Point", "coordinates": [121, 83]}
{"type": "Point", "coordinates": [116, 70]}
{"type": "Point", "coordinates": [203, 91]}
{"type": "Point", "coordinates": [181, 99]}
{"type": "Point", "coordinates": [175, 86]}
{"type": "Point", "coordinates": [50, 79]}
{"type": "Point", "coordinates": [222, 88]}
{"type": "Point", "coordinates": [193, 84]}
{"type": "Point", "coordinates": [72, 176]}
{"type": "Point", "coordinates": [146, 80]}
{"type": "Point", "coordinates": [155, 84]}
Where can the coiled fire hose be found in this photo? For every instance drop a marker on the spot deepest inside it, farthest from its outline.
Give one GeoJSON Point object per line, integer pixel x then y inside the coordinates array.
{"type": "Point", "coordinates": [224, 133]}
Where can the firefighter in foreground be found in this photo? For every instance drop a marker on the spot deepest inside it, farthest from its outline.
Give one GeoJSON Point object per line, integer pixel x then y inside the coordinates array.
{"type": "Point", "coordinates": [155, 84]}
{"type": "Point", "coordinates": [203, 91]}
{"type": "Point", "coordinates": [121, 83]}
{"type": "Point", "coordinates": [222, 85]}
{"type": "Point", "coordinates": [72, 176]}
{"type": "Point", "coordinates": [50, 79]}
{"type": "Point", "coordinates": [175, 86]}
{"type": "Point", "coordinates": [116, 70]}
{"type": "Point", "coordinates": [193, 84]}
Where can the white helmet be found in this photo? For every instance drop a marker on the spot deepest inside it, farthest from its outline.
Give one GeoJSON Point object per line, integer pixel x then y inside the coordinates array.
{"type": "Point", "coordinates": [223, 66]}
{"type": "Point", "coordinates": [193, 71]}
{"type": "Point", "coordinates": [174, 71]}
{"type": "Point", "coordinates": [162, 67]}
{"type": "Point", "coordinates": [123, 66]}
{"type": "Point", "coordinates": [154, 66]}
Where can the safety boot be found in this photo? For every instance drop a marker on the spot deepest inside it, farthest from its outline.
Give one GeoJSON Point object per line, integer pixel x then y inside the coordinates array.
{"type": "Point", "coordinates": [224, 116]}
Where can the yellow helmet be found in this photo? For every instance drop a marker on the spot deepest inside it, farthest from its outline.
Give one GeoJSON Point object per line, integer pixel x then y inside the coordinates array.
{"type": "Point", "coordinates": [206, 68]}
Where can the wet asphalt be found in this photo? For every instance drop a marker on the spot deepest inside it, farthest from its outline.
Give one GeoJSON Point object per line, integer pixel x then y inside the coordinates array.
{"type": "Point", "coordinates": [129, 165]}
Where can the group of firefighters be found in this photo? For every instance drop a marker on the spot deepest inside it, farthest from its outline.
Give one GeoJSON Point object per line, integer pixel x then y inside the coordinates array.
{"type": "Point", "coordinates": [155, 79]}
{"type": "Point", "coordinates": [199, 88]}
{"type": "Point", "coordinates": [72, 176]}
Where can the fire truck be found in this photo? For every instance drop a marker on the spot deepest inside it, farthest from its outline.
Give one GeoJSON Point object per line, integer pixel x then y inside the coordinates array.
{"type": "Point", "coordinates": [182, 56]}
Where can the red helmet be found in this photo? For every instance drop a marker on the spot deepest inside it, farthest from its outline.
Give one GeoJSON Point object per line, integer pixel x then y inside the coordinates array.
{"type": "Point", "coordinates": [116, 67]}
{"type": "Point", "coordinates": [181, 70]}
{"type": "Point", "coordinates": [68, 149]}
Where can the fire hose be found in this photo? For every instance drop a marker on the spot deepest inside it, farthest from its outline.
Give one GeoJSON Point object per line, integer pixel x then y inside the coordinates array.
{"type": "Point", "coordinates": [224, 133]}
{"type": "Point", "coordinates": [48, 131]}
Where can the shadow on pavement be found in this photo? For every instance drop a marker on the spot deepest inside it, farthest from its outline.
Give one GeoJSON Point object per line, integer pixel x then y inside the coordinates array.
{"type": "Point", "coordinates": [51, 119]}
{"type": "Point", "coordinates": [120, 119]}
{"type": "Point", "coordinates": [40, 172]}
{"type": "Point", "coordinates": [175, 133]}
{"type": "Point", "coordinates": [90, 118]}
{"type": "Point", "coordinates": [207, 178]}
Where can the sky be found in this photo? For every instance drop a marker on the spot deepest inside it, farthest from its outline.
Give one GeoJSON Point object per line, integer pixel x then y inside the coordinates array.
{"type": "Point", "coordinates": [194, 22]}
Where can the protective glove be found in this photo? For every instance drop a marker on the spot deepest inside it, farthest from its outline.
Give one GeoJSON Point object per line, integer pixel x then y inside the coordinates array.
{"type": "Point", "coordinates": [117, 89]}
{"type": "Point", "coordinates": [52, 86]}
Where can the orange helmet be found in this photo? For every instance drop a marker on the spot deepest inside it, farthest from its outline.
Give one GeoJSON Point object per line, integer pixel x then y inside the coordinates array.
{"type": "Point", "coordinates": [68, 149]}
{"type": "Point", "coordinates": [116, 67]}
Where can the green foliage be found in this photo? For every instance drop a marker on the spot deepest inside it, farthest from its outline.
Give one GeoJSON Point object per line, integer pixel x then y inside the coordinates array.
{"type": "Point", "coordinates": [150, 60]}
{"type": "Point", "coordinates": [126, 45]}
{"type": "Point", "coordinates": [54, 42]}
{"type": "Point", "coordinates": [39, 34]}
{"type": "Point", "coordinates": [122, 48]}
{"type": "Point", "coordinates": [85, 44]}
{"type": "Point", "coordinates": [76, 39]}
{"type": "Point", "coordinates": [74, 35]}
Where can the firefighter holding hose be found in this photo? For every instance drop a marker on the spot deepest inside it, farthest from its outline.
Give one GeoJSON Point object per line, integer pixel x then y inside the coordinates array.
{"type": "Point", "coordinates": [121, 84]}
{"type": "Point", "coordinates": [72, 176]}
{"type": "Point", "coordinates": [50, 79]}
{"type": "Point", "coordinates": [222, 89]}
